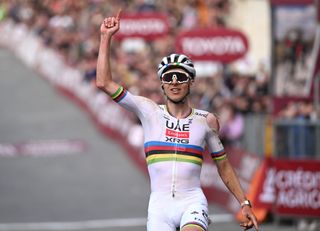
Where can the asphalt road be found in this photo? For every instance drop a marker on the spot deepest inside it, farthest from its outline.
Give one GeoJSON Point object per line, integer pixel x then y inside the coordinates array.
{"type": "Point", "coordinates": [96, 188]}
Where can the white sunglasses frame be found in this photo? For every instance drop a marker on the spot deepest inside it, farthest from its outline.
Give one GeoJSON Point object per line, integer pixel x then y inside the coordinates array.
{"type": "Point", "coordinates": [180, 82]}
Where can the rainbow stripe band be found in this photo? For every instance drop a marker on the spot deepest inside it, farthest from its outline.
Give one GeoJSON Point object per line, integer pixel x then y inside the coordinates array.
{"type": "Point", "coordinates": [119, 94]}
{"type": "Point", "coordinates": [220, 155]}
{"type": "Point", "coordinates": [195, 225]}
{"type": "Point", "coordinates": [162, 151]}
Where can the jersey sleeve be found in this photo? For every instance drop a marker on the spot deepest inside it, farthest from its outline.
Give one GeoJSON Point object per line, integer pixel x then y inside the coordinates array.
{"type": "Point", "coordinates": [139, 105]}
{"type": "Point", "coordinates": [214, 145]}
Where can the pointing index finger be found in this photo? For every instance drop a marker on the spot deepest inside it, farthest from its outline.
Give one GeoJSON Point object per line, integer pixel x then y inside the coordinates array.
{"type": "Point", "coordinates": [254, 221]}
{"type": "Point", "coordinates": [118, 14]}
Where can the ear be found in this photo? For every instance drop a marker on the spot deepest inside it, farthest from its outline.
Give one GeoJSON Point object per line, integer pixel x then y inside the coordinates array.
{"type": "Point", "coordinates": [164, 93]}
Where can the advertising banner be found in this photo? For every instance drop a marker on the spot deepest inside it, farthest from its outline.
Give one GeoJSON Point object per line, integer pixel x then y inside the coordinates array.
{"type": "Point", "coordinates": [297, 184]}
{"type": "Point", "coordinates": [148, 26]}
{"type": "Point", "coordinates": [221, 45]}
{"type": "Point", "coordinates": [290, 187]}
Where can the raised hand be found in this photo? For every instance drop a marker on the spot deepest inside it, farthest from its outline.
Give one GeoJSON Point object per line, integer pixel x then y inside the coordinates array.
{"type": "Point", "coordinates": [110, 25]}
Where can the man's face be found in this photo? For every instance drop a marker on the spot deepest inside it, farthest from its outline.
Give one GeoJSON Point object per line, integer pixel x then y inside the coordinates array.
{"type": "Point", "coordinates": [176, 83]}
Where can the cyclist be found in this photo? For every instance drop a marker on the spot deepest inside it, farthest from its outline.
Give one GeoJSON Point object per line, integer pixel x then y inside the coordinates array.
{"type": "Point", "coordinates": [175, 135]}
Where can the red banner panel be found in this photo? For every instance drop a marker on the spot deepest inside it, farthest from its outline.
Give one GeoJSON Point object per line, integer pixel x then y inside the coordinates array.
{"type": "Point", "coordinates": [223, 45]}
{"type": "Point", "coordinates": [148, 26]}
{"type": "Point", "coordinates": [291, 187]}
{"type": "Point", "coordinates": [297, 184]}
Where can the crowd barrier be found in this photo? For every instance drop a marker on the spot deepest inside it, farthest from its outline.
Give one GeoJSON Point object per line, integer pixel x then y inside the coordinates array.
{"type": "Point", "coordinates": [116, 123]}
{"type": "Point", "coordinates": [254, 136]}
{"type": "Point", "coordinates": [297, 138]}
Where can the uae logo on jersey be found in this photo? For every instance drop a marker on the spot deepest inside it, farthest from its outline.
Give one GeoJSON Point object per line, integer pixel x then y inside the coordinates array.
{"type": "Point", "coordinates": [177, 133]}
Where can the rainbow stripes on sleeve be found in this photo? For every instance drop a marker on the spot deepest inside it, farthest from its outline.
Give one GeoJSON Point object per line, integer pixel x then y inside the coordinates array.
{"type": "Point", "coordinates": [162, 151]}
{"type": "Point", "coordinates": [220, 155]}
{"type": "Point", "coordinates": [119, 94]}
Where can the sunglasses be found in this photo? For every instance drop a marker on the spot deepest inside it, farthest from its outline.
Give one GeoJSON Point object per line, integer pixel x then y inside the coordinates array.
{"type": "Point", "coordinates": [180, 77]}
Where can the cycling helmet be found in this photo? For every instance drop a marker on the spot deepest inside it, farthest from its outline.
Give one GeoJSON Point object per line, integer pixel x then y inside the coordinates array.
{"type": "Point", "coordinates": [176, 61]}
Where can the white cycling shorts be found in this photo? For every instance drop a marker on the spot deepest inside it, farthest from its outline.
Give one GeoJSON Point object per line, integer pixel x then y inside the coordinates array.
{"type": "Point", "coordinates": [167, 213]}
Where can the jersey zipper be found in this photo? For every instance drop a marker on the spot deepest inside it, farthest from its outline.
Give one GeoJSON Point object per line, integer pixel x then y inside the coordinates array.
{"type": "Point", "coordinates": [174, 168]}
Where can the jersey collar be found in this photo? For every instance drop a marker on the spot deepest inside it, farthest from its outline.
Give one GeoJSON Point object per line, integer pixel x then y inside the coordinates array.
{"type": "Point", "coordinates": [188, 116]}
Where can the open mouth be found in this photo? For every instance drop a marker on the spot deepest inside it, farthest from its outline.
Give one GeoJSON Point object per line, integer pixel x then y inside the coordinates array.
{"type": "Point", "coordinates": [175, 90]}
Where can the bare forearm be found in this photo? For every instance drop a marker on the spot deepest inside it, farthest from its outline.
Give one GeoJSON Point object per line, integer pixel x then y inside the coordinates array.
{"type": "Point", "coordinates": [103, 64]}
{"type": "Point", "coordinates": [104, 76]}
{"type": "Point", "coordinates": [230, 179]}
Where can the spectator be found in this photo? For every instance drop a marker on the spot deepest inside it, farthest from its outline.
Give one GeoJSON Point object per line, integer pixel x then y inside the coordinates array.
{"type": "Point", "coordinates": [232, 126]}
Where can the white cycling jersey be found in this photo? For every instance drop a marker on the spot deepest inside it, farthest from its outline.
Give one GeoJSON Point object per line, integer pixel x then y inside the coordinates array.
{"type": "Point", "coordinates": [173, 147]}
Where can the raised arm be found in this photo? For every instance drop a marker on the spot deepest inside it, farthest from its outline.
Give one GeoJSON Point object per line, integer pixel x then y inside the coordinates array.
{"type": "Point", "coordinates": [108, 28]}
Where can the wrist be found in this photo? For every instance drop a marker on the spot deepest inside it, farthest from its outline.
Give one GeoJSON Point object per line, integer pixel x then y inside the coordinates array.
{"type": "Point", "coordinates": [246, 202]}
{"type": "Point", "coordinates": [105, 37]}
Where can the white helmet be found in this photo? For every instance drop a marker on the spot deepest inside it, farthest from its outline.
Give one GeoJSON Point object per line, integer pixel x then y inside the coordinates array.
{"type": "Point", "coordinates": [176, 61]}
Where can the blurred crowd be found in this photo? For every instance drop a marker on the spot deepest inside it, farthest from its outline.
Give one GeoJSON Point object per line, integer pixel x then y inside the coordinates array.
{"type": "Point", "coordinates": [299, 110]}
{"type": "Point", "coordinates": [71, 27]}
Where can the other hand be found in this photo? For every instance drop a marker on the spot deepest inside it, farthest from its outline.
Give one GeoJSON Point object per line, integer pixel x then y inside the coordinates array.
{"type": "Point", "coordinates": [250, 219]}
